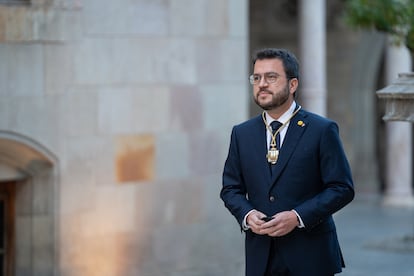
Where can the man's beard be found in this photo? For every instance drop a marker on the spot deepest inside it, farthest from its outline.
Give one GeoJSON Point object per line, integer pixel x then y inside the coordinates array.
{"type": "Point", "coordinates": [278, 99]}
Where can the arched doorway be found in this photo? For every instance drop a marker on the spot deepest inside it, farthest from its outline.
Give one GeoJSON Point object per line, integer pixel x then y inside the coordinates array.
{"type": "Point", "coordinates": [28, 194]}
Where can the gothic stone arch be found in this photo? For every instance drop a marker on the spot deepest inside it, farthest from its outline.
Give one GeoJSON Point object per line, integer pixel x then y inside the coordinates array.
{"type": "Point", "coordinates": [33, 170]}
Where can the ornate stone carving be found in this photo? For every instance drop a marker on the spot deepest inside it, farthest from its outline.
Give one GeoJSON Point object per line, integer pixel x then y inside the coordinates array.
{"type": "Point", "coordinates": [399, 98]}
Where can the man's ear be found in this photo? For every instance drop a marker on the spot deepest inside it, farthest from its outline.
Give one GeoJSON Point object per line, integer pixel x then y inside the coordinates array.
{"type": "Point", "coordinates": [293, 85]}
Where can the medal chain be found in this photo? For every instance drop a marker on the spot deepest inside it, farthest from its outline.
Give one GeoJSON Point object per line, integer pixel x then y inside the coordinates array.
{"type": "Point", "coordinates": [269, 128]}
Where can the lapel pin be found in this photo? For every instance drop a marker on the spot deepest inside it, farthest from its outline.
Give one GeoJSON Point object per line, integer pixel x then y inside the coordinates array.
{"type": "Point", "coordinates": [301, 123]}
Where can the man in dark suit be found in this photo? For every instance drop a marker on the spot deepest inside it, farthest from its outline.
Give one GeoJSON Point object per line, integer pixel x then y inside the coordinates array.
{"type": "Point", "coordinates": [283, 184]}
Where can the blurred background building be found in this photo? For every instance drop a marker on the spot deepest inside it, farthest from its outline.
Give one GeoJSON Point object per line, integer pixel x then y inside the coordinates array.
{"type": "Point", "coordinates": [115, 119]}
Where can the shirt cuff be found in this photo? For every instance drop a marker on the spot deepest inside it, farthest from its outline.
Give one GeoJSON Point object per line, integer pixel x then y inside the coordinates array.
{"type": "Point", "coordinates": [245, 226]}
{"type": "Point", "coordinates": [301, 224]}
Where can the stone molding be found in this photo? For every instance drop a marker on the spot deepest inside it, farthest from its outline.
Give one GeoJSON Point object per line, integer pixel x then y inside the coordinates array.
{"type": "Point", "coordinates": [40, 21]}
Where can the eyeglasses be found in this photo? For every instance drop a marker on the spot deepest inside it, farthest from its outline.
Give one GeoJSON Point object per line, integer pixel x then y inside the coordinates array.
{"type": "Point", "coordinates": [269, 77]}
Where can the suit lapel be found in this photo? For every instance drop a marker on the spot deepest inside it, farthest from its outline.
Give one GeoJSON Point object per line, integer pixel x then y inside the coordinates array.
{"type": "Point", "coordinates": [294, 133]}
{"type": "Point", "coordinates": [259, 147]}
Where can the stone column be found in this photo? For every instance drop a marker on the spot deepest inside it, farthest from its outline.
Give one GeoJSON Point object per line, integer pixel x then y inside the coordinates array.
{"type": "Point", "coordinates": [398, 186]}
{"type": "Point", "coordinates": [313, 55]}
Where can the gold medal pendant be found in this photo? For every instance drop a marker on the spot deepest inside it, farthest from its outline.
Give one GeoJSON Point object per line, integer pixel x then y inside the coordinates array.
{"type": "Point", "coordinates": [272, 155]}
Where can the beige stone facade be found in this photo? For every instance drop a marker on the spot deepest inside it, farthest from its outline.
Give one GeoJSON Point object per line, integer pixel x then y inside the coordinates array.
{"type": "Point", "coordinates": [114, 119]}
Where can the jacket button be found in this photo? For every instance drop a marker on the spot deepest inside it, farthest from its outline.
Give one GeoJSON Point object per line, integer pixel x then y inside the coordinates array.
{"type": "Point", "coordinates": [272, 198]}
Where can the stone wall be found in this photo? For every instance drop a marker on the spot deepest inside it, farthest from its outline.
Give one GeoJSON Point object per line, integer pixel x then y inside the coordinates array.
{"type": "Point", "coordinates": [136, 99]}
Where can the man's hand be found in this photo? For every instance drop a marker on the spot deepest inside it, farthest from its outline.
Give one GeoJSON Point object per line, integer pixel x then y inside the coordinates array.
{"type": "Point", "coordinates": [254, 220]}
{"type": "Point", "coordinates": [281, 224]}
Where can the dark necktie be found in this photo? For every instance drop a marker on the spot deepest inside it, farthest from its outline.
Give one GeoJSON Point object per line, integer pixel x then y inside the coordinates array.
{"type": "Point", "coordinates": [275, 126]}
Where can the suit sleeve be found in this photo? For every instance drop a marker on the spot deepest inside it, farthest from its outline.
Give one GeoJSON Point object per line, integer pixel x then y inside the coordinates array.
{"type": "Point", "coordinates": [336, 180]}
{"type": "Point", "coordinates": [233, 191]}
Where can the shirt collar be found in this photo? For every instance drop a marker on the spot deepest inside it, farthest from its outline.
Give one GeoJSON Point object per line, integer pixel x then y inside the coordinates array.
{"type": "Point", "coordinates": [285, 116]}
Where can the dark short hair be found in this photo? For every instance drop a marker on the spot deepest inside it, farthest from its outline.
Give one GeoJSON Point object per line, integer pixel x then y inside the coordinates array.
{"type": "Point", "coordinates": [290, 63]}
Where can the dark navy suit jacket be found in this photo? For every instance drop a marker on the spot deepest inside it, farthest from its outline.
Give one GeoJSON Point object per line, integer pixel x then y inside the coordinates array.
{"type": "Point", "coordinates": [311, 176]}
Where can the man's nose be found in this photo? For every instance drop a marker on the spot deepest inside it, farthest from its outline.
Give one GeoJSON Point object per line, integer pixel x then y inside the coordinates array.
{"type": "Point", "coordinates": [263, 82]}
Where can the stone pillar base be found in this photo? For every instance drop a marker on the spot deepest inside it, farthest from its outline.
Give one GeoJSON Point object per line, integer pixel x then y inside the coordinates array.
{"type": "Point", "coordinates": [399, 200]}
